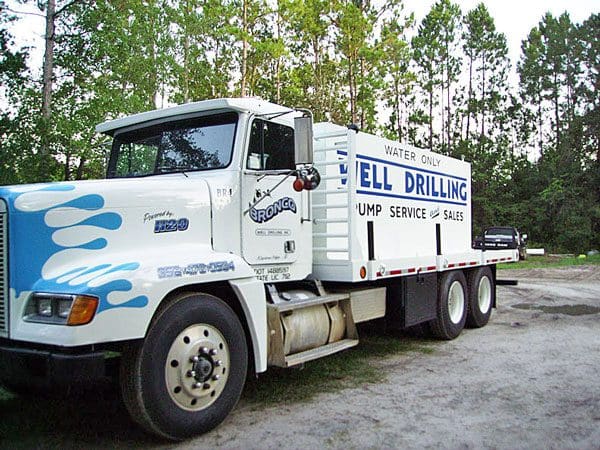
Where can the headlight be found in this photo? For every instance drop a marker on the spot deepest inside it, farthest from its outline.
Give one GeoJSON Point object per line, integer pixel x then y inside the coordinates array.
{"type": "Point", "coordinates": [64, 307]}
{"type": "Point", "coordinates": [43, 307]}
{"type": "Point", "coordinates": [61, 309]}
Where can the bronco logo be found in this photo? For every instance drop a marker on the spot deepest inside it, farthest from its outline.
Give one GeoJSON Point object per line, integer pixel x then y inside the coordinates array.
{"type": "Point", "coordinates": [266, 214]}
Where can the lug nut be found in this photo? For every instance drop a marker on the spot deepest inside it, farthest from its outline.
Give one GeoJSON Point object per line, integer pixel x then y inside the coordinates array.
{"type": "Point", "coordinates": [213, 352]}
{"type": "Point", "coordinates": [190, 373]}
{"type": "Point", "coordinates": [218, 362]}
{"type": "Point", "coordinates": [197, 385]}
{"type": "Point", "coordinates": [204, 350]}
{"type": "Point", "coordinates": [205, 386]}
{"type": "Point", "coordinates": [215, 377]}
{"type": "Point", "coordinates": [194, 359]}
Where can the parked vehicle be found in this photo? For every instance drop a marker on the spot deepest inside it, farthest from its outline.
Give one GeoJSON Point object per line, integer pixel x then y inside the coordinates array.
{"type": "Point", "coordinates": [229, 236]}
{"type": "Point", "coordinates": [501, 238]}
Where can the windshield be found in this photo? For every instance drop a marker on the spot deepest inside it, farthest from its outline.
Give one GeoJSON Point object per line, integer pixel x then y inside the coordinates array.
{"type": "Point", "coordinates": [499, 232]}
{"type": "Point", "coordinates": [197, 143]}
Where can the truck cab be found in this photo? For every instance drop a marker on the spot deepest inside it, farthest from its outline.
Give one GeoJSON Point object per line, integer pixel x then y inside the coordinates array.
{"type": "Point", "coordinates": [243, 152]}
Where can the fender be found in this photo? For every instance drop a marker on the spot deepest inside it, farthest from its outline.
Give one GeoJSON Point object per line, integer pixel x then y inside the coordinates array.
{"type": "Point", "coordinates": [69, 238]}
{"type": "Point", "coordinates": [156, 276]}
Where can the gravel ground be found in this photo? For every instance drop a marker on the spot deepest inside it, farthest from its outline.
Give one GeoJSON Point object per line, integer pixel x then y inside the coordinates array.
{"type": "Point", "coordinates": [527, 380]}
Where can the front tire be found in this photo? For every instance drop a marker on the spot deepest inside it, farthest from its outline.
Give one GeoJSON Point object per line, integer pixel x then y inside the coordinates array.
{"type": "Point", "coordinates": [189, 372]}
{"type": "Point", "coordinates": [19, 389]}
{"type": "Point", "coordinates": [482, 296]}
{"type": "Point", "coordinates": [451, 306]}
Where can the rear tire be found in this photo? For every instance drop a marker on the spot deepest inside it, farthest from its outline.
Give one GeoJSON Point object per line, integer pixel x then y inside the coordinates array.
{"type": "Point", "coordinates": [189, 372]}
{"type": "Point", "coordinates": [482, 296]}
{"type": "Point", "coordinates": [451, 306]}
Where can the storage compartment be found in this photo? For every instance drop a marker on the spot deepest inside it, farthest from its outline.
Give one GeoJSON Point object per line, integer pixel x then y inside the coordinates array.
{"type": "Point", "coordinates": [412, 300]}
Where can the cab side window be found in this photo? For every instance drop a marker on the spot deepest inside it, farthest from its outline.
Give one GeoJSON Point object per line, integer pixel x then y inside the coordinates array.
{"type": "Point", "coordinates": [271, 146]}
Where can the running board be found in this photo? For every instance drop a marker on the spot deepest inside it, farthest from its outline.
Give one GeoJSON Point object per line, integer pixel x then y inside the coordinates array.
{"type": "Point", "coordinates": [319, 352]}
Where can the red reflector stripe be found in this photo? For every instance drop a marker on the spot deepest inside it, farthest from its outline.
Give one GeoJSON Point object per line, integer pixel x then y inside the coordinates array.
{"type": "Point", "coordinates": [391, 272]}
{"type": "Point", "coordinates": [472, 263]}
{"type": "Point", "coordinates": [451, 265]}
{"type": "Point", "coordinates": [462, 264]}
{"type": "Point", "coordinates": [411, 270]}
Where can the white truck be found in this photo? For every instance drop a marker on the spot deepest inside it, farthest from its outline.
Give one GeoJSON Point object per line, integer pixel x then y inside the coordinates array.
{"type": "Point", "coordinates": [229, 236]}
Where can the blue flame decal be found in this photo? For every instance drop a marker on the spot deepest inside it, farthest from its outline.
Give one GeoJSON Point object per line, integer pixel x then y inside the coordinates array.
{"type": "Point", "coordinates": [35, 246]}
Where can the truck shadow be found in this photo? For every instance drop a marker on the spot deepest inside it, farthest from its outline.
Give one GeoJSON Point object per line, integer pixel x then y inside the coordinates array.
{"type": "Point", "coordinates": [90, 419]}
{"type": "Point", "coordinates": [97, 417]}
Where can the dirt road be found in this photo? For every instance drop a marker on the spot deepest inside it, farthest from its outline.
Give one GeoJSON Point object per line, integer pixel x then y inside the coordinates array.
{"type": "Point", "coordinates": [530, 379]}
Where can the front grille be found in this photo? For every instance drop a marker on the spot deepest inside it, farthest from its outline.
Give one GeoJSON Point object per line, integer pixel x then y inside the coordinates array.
{"type": "Point", "coordinates": [3, 272]}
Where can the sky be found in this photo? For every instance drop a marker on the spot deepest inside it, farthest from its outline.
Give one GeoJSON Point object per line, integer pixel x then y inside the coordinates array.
{"type": "Point", "coordinates": [515, 18]}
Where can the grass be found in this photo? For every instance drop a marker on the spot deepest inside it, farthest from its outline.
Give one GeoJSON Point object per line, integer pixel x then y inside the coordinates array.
{"type": "Point", "coordinates": [5, 395]}
{"type": "Point", "coordinates": [98, 419]}
{"type": "Point", "coordinates": [342, 370]}
{"type": "Point", "coordinates": [536, 262]}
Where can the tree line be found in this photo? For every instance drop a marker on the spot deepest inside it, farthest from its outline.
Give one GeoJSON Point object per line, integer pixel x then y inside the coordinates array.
{"type": "Point", "coordinates": [441, 84]}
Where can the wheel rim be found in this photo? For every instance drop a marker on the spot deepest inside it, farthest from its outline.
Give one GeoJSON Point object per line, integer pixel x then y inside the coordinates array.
{"type": "Point", "coordinates": [197, 367]}
{"type": "Point", "coordinates": [456, 302]}
{"type": "Point", "coordinates": [484, 294]}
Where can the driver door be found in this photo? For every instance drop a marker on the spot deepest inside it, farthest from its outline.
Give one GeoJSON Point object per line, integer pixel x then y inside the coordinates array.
{"type": "Point", "coordinates": [272, 209]}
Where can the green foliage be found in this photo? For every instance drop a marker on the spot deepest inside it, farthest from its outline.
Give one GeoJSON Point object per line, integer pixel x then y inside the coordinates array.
{"type": "Point", "coordinates": [535, 150]}
{"type": "Point", "coordinates": [399, 79]}
{"type": "Point", "coordinates": [556, 73]}
{"type": "Point", "coordinates": [343, 370]}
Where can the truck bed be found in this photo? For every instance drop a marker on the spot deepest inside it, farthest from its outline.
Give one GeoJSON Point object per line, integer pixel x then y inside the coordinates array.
{"type": "Point", "coordinates": [390, 208]}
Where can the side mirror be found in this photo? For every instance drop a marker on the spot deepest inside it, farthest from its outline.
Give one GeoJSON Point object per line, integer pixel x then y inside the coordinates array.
{"type": "Point", "coordinates": [524, 236]}
{"type": "Point", "coordinates": [307, 179]}
{"type": "Point", "coordinates": [303, 139]}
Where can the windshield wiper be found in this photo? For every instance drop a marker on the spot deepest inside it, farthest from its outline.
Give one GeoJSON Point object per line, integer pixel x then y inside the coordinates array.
{"type": "Point", "coordinates": [173, 169]}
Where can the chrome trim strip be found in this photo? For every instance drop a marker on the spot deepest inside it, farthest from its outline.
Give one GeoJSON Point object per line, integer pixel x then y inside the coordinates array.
{"type": "Point", "coordinates": [3, 271]}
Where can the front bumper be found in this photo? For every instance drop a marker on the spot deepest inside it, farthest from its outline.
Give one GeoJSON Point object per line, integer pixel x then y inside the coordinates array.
{"type": "Point", "coordinates": [500, 245]}
{"type": "Point", "coordinates": [52, 366]}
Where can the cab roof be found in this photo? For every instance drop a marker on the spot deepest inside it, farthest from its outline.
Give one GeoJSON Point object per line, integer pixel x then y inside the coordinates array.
{"type": "Point", "coordinates": [246, 105]}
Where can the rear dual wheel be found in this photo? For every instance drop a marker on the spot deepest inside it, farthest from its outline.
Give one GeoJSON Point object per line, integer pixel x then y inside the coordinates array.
{"type": "Point", "coordinates": [463, 302]}
{"type": "Point", "coordinates": [451, 306]}
{"type": "Point", "coordinates": [189, 372]}
{"type": "Point", "coordinates": [482, 296]}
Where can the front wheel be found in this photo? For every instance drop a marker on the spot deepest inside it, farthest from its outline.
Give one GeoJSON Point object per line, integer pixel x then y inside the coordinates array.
{"type": "Point", "coordinates": [451, 306]}
{"type": "Point", "coordinates": [189, 372]}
